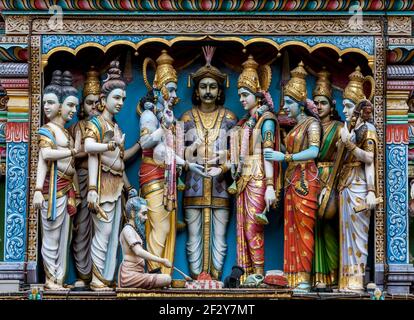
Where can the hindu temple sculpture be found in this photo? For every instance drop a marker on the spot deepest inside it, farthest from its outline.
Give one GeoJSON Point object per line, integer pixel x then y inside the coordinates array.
{"type": "Point", "coordinates": [104, 143]}
{"type": "Point", "coordinates": [56, 191]}
{"type": "Point", "coordinates": [206, 200]}
{"type": "Point", "coordinates": [326, 258]}
{"type": "Point", "coordinates": [302, 185]}
{"type": "Point", "coordinates": [357, 183]}
{"type": "Point", "coordinates": [82, 223]}
{"type": "Point", "coordinates": [132, 269]}
{"type": "Point", "coordinates": [162, 152]}
{"type": "Point", "coordinates": [258, 180]}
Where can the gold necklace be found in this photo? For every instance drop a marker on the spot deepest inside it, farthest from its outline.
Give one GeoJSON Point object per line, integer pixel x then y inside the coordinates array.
{"type": "Point", "coordinates": [208, 119]}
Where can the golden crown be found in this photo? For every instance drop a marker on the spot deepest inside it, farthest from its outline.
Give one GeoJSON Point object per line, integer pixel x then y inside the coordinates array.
{"type": "Point", "coordinates": [296, 86]}
{"type": "Point", "coordinates": [165, 71]}
{"type": "Point", "coordinates": [323, 84]}
{"type": "Point", "coordinates": [92, 83]}
{"type": "Point", "coordinates": [355, 89]}
{"type": "Point", "coordinates": [249, 77]}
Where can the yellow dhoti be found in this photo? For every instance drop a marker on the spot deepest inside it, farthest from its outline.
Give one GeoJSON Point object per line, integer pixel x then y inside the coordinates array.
{"type": "Point", "coordinates": [160, 227]}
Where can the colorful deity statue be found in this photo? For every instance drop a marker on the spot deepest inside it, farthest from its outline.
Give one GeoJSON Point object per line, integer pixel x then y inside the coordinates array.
{"type": "Point", "coordinates": [206, 200]}
{"type": "Point", "coordinates": [82, 223]}
{"type": "Point", "coordinates": [162, 151]}
{"type": "Point", "coordinates": [258, 180]}
{"type": "Point", "coordinates": [104, 143]}
{"type": "Point", "coordinates": [56, 192]}
{"type": "Point", "coordinates": [326, 258]}
{"type": "Point", "coordinates": [357, 183]}
{"type": "Point", "coordinates": [302, 185]}
{"type": "Point", "coordinates": [132, 269]}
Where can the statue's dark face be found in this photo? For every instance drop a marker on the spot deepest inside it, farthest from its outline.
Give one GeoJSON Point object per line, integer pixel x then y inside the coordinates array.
{"type": "Point", "coordinates": [208, 90]}
{"type": "Point", "coordinates": [90, 104]}
{"type": "Point", "coordinates": [323, 106]}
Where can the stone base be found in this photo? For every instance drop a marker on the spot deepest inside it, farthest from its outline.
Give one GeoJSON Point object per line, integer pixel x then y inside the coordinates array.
{"type": "Point", "coordinates": [9, 286]}
{"type": "Point", "coordinates": [400, 279]}
{"type": "Point", "coordinates": [379, 275]}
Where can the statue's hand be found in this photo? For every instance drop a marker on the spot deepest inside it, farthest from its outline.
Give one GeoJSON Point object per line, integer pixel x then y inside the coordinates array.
{"type": "Point", "coordinates": [271, 155]}
{"type": "Point", "coordinates": [166, 263]}
{"type": "Point", "coordinates": [168, 116]}
{"type": "Point", "coordinates": [38, 200]}
{"type": "Point", "coordinates": [322, 195]}
{"type": "Point", "coordinates": [370, 201]}
{"type": "Point", "coordinates": [214, 171]}
{"type": "Point", "coordinates": [78, 142]}
{"type": "Point", "coordinates": [270, 197]}
{"type": "Point", "coordinates": [197, 168]}
{"type": "Point", "coordinates": [92, 199]}
{"type": "Point", "coordinates": [345, 135]}
{"type": "Point", "coordinates": [118, 137]}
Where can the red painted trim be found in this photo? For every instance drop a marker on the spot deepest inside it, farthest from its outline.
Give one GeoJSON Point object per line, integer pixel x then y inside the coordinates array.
{"type": "Point", "coordinates": [17, 132]}
{"type": "Point", "coordinates": [397, 133]}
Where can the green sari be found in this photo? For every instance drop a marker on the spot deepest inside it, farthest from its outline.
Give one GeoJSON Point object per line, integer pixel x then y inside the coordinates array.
{"type": "Point", "coordinates": [326, 258]}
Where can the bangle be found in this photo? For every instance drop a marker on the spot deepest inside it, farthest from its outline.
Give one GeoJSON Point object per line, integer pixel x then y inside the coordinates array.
{"type": "Point", "coordinates": [288, 157]}
{"type": "Point", "coordinates": [111, 146]}
{"type": "Point", "coordinates": [350, 146]}
{"type": "Point", "coordinates": [223, 168]}
{"type": "Point", "coordinates": [186, 165]}
{"type": "Point", "coordinates": [90, 188]}
{"type": "Point", "coordinates": [269, 182]}
{"type": "Point", "coordinates": [72, 152]}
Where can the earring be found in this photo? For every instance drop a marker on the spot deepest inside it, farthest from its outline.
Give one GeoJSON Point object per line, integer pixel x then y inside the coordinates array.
{"type": "Point", "coordinates": [332, 112]}
{"type": "Point", "coordinates": [302, 109]}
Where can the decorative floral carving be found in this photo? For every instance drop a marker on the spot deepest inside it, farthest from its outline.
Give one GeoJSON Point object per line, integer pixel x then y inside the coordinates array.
{"type": "Point", "coordinates": [16, 201]}
{"type": "Point", "coordinates": [397, 203]}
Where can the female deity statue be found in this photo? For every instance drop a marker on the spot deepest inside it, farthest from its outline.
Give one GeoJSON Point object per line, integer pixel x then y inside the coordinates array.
{"type": "Point", "coordinates": [55, 194]}
{"type": "Point", "coordinates": [161, 155]}
{"type": "Point", "coordinates": [302, 185]}
{"type": "Point", "coordinates": [357, 183]}
{"type": "Point", "coordinates": [258, 180]}
{"type": "Point", "coordinates": [82, 223]}
{"type": "Point", "coordinates": [326, 258]}
{"type": "Point", "coordinates": [104, 143]}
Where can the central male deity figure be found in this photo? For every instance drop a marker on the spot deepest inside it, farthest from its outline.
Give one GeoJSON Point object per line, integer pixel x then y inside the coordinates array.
{"type": "Point", "coordinates": [206, 200]}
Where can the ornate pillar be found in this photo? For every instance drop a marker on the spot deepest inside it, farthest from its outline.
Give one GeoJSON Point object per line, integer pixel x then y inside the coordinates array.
{"type": "Point", "coordinates": [400, 272]}
{"type": "Point", "coordinates": [13, 262]}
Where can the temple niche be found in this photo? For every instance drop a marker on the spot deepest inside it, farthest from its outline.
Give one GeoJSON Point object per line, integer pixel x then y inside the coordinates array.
{"type": "Point", "coordinates": [228, 58]}
{"type": "Point", "coordinates": [195, 149]}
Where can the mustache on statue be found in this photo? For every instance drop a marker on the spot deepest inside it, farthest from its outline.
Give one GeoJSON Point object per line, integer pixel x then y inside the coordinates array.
{"type": "Point", "coordinates": [208, 96]}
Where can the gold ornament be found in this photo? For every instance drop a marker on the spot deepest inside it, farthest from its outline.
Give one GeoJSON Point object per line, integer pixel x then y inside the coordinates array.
{"type": "Point", "coordinates": [354, 91]}
{"type": "Point", "coordinates": [296, 86]}
{"type": "Point", "coordinates": [323, 84]}
{"type": "Point", "coordinates": [92, 83]}
{"type": "Point", "coordinates": [164, 71]}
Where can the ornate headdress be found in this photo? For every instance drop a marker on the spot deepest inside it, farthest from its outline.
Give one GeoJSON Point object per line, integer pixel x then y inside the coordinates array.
{"type": "Point", "coordinates": [355, 89]}
{"type": "Point", "coordinates": [208, 70]}
{"type": "Point", "coordinates": [92, 83]}
{"type": "Point", "coordinates": [164, 71]}
{"type": "Point", "coordinates": [253, 77]}
{"type": "Point", "coordinates": [296, 86]}
{"type": "Point", "coordinates": [323, 84]}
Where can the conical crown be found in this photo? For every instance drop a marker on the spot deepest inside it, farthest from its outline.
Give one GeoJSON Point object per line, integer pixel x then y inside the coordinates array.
{"type": "Point", "coordinates": [249, 77]}
{"type": "Point", "coordinates": [323, 84]}
{"type": "Point", "coordinates": [355, 89]}
{"type": "Point", "coordinates": [165, 71]}
{"type": "Point", "coordinates": [296, 86]}
{"type": "Point", "coordinates": [92, 83]}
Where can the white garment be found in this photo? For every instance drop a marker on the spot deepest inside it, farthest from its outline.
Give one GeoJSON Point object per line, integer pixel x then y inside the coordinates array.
{"type": "Point", "coordinates": [56, 240]}
{"type": "Point", "coordinates": [105, 240]}
{"type": "Point", "coordinates": [218, 245]}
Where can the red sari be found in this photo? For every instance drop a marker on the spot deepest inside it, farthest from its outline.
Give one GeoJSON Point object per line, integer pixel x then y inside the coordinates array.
{"type": "Point", "coordinates": [302, 189]}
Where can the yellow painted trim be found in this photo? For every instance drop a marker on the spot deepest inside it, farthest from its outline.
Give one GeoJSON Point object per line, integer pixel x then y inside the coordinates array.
{"type": "Point", "coordinates": [170, 43]}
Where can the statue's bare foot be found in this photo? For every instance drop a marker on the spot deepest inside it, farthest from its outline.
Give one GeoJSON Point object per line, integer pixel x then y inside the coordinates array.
{"type": "Point", "coordinates": [50, 285]}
